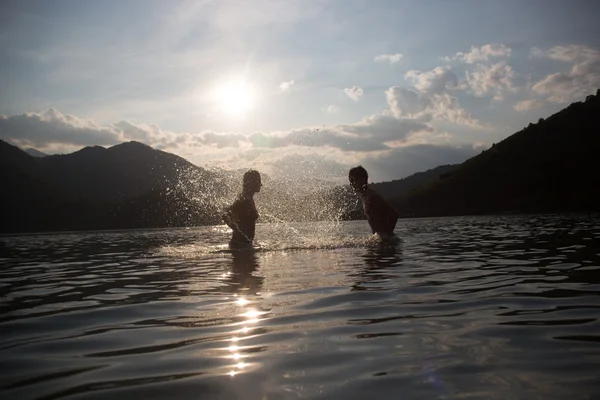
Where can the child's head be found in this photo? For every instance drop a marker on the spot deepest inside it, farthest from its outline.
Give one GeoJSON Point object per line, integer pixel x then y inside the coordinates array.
{"type": "Point", "coordinates": [252, 182]}
{"type": "Point", "coordinates": [358, 177]}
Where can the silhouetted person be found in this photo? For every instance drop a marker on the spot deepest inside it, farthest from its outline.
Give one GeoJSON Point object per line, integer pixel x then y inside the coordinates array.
{"type": "Point", "coordinates": [241, 216]}
{"type": "Point", "coordinates": [381, 216]}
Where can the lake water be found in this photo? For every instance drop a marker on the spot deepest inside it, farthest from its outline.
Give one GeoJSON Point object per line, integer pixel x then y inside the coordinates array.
{"type": "Point", "coordinates": [463, 308]}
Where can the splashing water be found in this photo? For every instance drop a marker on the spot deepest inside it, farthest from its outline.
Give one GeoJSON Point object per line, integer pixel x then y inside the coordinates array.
{"type": "Point", "coordinates": [283, 237]}
{"type": "Point", "coordinates": [199, 197]}
{"type": "Point", "coordinates": [287, 226]}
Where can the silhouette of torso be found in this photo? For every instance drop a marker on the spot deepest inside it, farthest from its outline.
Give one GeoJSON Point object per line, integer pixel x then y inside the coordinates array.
{"type": "Point", "coordinates": [244, 215]}
{"type": "Point", "coordinates": [381, 216]}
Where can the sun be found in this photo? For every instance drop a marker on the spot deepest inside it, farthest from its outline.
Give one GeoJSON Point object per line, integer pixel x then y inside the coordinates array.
{"type": "Point", "coordinates": [235, 98]}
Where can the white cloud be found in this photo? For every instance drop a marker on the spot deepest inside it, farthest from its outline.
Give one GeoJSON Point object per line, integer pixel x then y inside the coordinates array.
{"type": "Point", "coordinates": [386, 128]}
{"type": "Point", "coordinates": [370, 134]}
{"type": "Point", "coordinates": [391, 58]}
{"type": "Point", "coordinates": [526, 105]}
{"type": "Point", "coordinates": [284, 86]}
{"type": "Point", "coordinates": [496, 79]}
{"type": "Point", "coordinates": [483, 53]}
{"type": "Point", "coordinates": [355, 92]}
{"type": "Point", "coordinates": [52, 128]}
{"type": "Point", "coordinates": [403, 161]}
{"type": "Point", "coordinates": [133, 132]}
{"type": "Point", "coordinates": [536, 52]}
{"type": "Point", "coordinates": [435, 81]}
{"type": "Point", "coordinates": [410, 103]}
{"type": "Point", "coordinates": [42, 129]}
{"type": "Point", "coordinates": [430, 98]}
{"type": "Point", "coordinates": [317, 138]}
{"type": "Point", "coordinates": [332, 109]}
{"type": "Point", "coordinates": [220, 140]}
{"type": "Point", "coordinates": [583, 77]}
{"type": "Point", "coordinates": [573, 53]}
{"type": "Point", "coordinates": [377, 141]}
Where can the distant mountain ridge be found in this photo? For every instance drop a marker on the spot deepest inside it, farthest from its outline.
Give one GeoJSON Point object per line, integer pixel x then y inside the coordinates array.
{"type": "Point", "coordinates": [550, 166]}
{"type": "Point", "coordinates": [402, 187]}
{"type": "Point", "coordinates": [125, 186]}
{"type": "Point", "coordinates": [35, 153]}
{"type": "Point", "coordinates": [122, 171]}
{"type": "Point", "coordinates": [132, 185]}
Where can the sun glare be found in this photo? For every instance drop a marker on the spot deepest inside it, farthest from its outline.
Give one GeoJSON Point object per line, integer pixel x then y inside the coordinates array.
{"type": "Point", "coordinates": [235, 98]}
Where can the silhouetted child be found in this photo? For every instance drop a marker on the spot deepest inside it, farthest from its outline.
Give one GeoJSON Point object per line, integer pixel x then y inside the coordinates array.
{"type": "Point", "coordinates": [241, 216]}
{"type": "Point", "coordinates": [381, 216]}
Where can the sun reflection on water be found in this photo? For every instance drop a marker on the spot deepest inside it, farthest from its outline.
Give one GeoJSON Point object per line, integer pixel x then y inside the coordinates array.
{"type": "Point", "coordinates": [251, 316]}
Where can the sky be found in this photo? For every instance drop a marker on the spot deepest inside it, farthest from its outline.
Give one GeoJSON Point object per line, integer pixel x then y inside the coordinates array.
{"type": "Point", "coordinates": [305, 87]}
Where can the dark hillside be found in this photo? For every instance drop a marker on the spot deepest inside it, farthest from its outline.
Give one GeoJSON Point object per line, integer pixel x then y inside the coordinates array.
{"type": "Point", "coordinates": [550, 166]}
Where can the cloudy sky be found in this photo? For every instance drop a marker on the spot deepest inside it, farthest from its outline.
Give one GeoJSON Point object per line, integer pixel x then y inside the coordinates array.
{"type": "Point", "coordinates": [398, 86]}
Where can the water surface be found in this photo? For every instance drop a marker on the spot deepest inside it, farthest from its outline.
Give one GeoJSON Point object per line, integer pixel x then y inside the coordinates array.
{"type": "Point", "coordinates": [477, 308]}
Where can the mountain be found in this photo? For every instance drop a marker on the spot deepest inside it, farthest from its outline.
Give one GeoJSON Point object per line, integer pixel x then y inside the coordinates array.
{"type": "Point", "coordinates": [130, 185]}
{"type": "Point", "coordinates": [35, 153]}
{"type": "Point", "coordinates": [401, 187]}
{"type": "Point", "coordinates": [28, 201]}
{"type": "Point", "coordinates": [550, 166]}
{"type": "Point", "coordinates": [119, 172]}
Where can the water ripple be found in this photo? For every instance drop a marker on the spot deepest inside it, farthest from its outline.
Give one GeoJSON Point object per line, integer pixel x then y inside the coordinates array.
{"type": "Point", "coordinates": [472, 307]}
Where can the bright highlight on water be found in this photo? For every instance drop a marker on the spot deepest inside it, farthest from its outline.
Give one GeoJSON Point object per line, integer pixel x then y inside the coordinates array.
{"type": "Point", "coordinates": [470, 307]}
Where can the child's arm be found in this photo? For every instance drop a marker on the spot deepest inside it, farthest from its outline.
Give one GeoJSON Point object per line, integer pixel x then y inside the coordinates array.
{"type": "Point", "coordinates": [229, 218]}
